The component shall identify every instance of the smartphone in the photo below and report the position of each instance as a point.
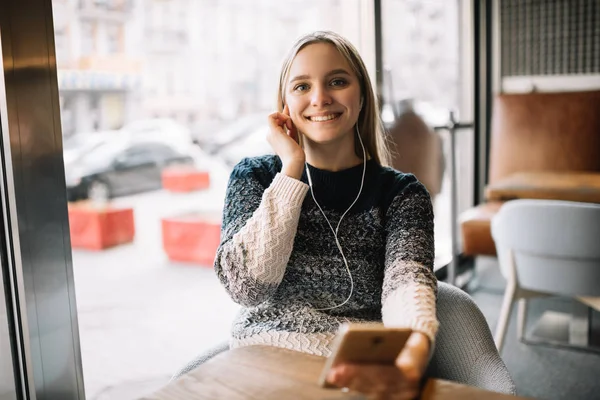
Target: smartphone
(365, 344)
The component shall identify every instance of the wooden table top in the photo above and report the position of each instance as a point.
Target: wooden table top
(270, 373)
(569, 186)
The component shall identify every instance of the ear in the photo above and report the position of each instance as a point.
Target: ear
(362, 99)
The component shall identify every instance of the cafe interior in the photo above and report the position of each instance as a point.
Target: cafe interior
(519, 288)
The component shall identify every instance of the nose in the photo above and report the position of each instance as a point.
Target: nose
(321, 96)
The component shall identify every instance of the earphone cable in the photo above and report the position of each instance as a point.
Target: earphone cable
(335, 232)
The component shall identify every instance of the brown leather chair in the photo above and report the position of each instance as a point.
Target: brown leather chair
(534, 132)
(417, 149)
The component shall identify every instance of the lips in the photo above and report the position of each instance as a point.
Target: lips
(323, 117)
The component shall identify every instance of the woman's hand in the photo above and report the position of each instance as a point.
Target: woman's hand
(285, 144)
(387, 382)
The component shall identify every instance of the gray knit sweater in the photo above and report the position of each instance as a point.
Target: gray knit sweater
(278, 257)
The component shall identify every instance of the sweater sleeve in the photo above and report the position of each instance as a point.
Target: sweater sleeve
(409, 285)
(257, 235)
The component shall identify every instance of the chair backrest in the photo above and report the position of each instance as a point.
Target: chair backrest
(545, 132)
(417, 149)
(555, 245)
(465, 351)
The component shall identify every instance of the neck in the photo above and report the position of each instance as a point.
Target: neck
(331, 156)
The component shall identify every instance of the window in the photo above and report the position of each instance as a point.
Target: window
(198, 83)
(141, 154)
(114, 36)
(88, 38)
(421, 52)
(161, 153)
(61, 42)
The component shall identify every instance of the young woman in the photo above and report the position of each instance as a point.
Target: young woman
(358, 248)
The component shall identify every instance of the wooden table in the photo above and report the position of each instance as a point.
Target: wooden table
(570, 186)
(270, 373)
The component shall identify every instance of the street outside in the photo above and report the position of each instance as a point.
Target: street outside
(142, 317)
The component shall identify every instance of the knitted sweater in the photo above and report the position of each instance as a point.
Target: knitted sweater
(278, 257)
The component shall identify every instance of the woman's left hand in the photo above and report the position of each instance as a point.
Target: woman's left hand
(401, 381)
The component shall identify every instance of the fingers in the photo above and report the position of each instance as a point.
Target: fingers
(412, 360)
(377, 381)
(286, 110)
(288, 120)
(278, 120)
(292, 131)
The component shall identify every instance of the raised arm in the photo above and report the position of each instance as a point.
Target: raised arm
(257, 235)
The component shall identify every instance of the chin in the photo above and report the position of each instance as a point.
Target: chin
(323, 138)
(325, 135)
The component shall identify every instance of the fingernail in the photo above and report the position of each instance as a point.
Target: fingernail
(332, 376)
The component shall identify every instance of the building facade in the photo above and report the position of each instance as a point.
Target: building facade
(98, 67)
(216, 60)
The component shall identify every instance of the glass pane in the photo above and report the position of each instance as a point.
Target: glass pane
(422, 83)
(199, 76)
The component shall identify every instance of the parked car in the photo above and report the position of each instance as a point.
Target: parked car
(233, 132)
(163, 130)
(251, 144)
(121, 167)
(80, 144)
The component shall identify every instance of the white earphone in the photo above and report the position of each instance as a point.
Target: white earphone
(335, 231)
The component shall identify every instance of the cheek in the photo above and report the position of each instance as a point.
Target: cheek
(296, 111)
(353, 102)
(296, 118)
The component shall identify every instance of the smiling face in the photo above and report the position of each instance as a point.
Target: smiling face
(323, 94)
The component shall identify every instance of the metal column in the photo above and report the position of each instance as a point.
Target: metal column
(34, 206)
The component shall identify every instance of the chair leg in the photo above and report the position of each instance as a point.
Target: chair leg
(507, 302)
(521, 319)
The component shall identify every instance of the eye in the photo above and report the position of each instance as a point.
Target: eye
(300, 87)
(340, 82)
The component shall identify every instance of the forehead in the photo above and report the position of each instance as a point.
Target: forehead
(317, 59)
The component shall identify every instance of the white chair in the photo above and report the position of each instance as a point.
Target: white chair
(548, 247)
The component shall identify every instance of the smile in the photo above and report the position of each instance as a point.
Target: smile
(324, 118)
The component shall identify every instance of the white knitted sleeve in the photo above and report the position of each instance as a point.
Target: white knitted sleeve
(252, 260)
(409, 286)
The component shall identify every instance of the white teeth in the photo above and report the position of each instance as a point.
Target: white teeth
(323, 118)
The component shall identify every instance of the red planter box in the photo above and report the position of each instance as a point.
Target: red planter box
(100, 228)
(192, 238)
(184, 179)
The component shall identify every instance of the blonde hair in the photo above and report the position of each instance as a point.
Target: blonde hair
(369, 123)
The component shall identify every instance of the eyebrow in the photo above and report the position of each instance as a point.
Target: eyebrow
(333, 72)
